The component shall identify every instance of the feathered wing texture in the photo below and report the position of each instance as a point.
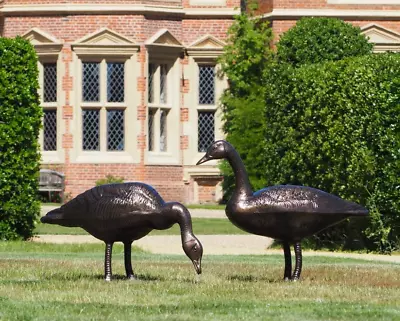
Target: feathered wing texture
(112, 202)
(290, 198)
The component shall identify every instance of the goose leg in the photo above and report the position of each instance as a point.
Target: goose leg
(107, 262)
(128, 262)
(299, 261)
(288, 261)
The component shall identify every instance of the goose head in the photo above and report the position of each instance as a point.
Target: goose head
(194, 251)
(218, 150)
(190, 244)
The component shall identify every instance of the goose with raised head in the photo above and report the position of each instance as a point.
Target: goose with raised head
(284, 212)
(126, 212)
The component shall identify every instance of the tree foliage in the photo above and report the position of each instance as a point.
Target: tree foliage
(242, 104)
(314, 40)
(20, 114)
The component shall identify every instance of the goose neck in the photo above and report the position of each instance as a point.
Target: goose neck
(242, 183)
(183, 218)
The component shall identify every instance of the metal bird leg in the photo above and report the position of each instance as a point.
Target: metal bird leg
(128, 261)
(288, 261)
(107, 262)
(299, 259)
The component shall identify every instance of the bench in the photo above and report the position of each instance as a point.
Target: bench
(52, 181)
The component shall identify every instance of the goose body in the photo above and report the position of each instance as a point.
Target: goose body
(126, 212)
(285, 212)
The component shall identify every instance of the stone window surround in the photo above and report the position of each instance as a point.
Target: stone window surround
(165, 53)
(195, 61)
(48, 50)
(156, 105)
(87, 50)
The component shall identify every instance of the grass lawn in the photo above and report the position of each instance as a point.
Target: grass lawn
(64, 282)
(201, 226)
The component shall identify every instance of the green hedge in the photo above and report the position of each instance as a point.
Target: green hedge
(318, 39)
(19, 157)
(336, 126)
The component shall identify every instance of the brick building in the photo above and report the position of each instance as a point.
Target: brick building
(130, 87)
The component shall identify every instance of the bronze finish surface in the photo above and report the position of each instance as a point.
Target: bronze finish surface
(124, 213)
(284, 212)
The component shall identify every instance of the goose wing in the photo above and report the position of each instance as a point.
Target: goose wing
(113, 202)
(290, 198)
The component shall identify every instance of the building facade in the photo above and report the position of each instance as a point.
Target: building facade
(378, 19)
(130, 88)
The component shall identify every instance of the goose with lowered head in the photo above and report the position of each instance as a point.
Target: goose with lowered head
(285, 212)
(126, 212)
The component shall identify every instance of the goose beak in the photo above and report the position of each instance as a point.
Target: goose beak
(197, 265)
(204, 159)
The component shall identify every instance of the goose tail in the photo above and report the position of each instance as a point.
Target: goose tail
(357, 210)
(53, 217)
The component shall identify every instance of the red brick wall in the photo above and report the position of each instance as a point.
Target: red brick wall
(323, 4)
(206, 189)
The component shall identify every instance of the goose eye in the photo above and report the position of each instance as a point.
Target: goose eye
(195, 248)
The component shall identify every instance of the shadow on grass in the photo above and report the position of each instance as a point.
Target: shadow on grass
(122, 277)
(252, 278)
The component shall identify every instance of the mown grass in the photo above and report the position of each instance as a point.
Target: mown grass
(64, 282)
(201, 226)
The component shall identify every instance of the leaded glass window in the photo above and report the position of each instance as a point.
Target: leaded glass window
(91, 129)
(50, 130)
(49, 82)
(163, 83)
(91, 82)
(115, 82)
(152, 113)
(158, 97)
(206, 85)
(115, 130)
(206, 130)
(152, 70)
(163, 130)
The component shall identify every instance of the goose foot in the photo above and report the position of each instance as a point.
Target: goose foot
(132, 277)
(107, 262)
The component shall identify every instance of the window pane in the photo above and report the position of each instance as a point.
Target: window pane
(49, 82)
(50, 130)
(163, 130)
(115, 130)
(163, 83)
(152, 113)
(91, 129)
(205, 130)
(115, 82)
(206, 85)
(152, 70)
(91, 81)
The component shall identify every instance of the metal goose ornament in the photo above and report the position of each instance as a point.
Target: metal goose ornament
(284, 212)
(124, 213)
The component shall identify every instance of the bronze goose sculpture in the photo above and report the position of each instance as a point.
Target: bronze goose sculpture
(284, 212)
(124, 213)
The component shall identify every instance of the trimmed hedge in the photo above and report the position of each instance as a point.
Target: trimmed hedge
(21, 115)
(314, 40)
(336, 126)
